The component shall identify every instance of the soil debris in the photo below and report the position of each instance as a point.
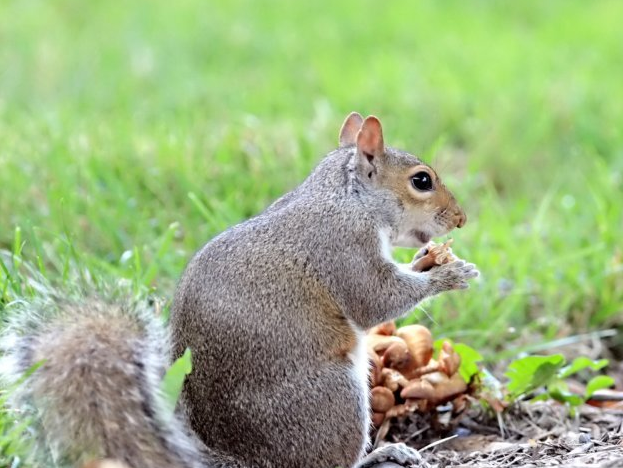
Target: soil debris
(541, 434)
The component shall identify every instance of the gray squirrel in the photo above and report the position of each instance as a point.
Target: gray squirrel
(274, 311)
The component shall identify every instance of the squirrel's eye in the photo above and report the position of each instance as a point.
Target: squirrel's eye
(422, 181)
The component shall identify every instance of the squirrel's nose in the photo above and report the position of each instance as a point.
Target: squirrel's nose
(461, 219)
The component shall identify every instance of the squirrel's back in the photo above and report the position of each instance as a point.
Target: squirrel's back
(96, 387)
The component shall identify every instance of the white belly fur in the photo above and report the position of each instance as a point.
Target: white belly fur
(360, 371)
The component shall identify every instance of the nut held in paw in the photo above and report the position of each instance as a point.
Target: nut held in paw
(438, 254)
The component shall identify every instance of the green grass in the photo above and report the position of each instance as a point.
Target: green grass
(129, 135)
(136, 133)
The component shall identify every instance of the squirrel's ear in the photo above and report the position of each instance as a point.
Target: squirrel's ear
(370, 139)
(350, 127)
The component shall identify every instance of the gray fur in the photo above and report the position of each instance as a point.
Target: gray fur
(270, 309)
(95, 394)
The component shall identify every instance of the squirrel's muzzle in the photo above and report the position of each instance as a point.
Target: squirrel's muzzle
(461, 218)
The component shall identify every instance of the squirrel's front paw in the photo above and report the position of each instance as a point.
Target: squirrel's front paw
(453, 275)
(393, 455)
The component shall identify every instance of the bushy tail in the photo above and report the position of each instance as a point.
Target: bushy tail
(95, 394)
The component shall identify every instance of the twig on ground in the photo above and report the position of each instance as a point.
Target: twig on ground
(437, 442)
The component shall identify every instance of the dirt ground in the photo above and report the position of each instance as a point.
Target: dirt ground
(527, 435)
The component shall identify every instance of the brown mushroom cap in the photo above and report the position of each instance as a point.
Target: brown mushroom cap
(418, 390)
(379, 343)
(454, 386)
(432, 366)
(419, 341)
(436, 378)
(382, 399)
(398, 357)
(385, 328)
(449, 359)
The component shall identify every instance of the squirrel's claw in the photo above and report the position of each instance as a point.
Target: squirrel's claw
(453, 275)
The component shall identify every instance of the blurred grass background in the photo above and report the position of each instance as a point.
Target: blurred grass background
(131, 133)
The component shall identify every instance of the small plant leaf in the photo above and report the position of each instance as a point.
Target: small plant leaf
(529, 373)
(582, 363)
(559, 391)
(570, 398)
(597, 383)
(171, 385)
(469, 359)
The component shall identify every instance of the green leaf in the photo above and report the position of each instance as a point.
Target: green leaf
(171, 385)
(469, 359)
(529, 373)
(597, 383)
(570, 398)
(559, 391)
(581, 363)
(541, 397)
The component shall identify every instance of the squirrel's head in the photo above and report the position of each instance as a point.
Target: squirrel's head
(425, 207)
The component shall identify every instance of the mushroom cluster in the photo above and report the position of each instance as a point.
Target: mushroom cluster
(405, 377)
